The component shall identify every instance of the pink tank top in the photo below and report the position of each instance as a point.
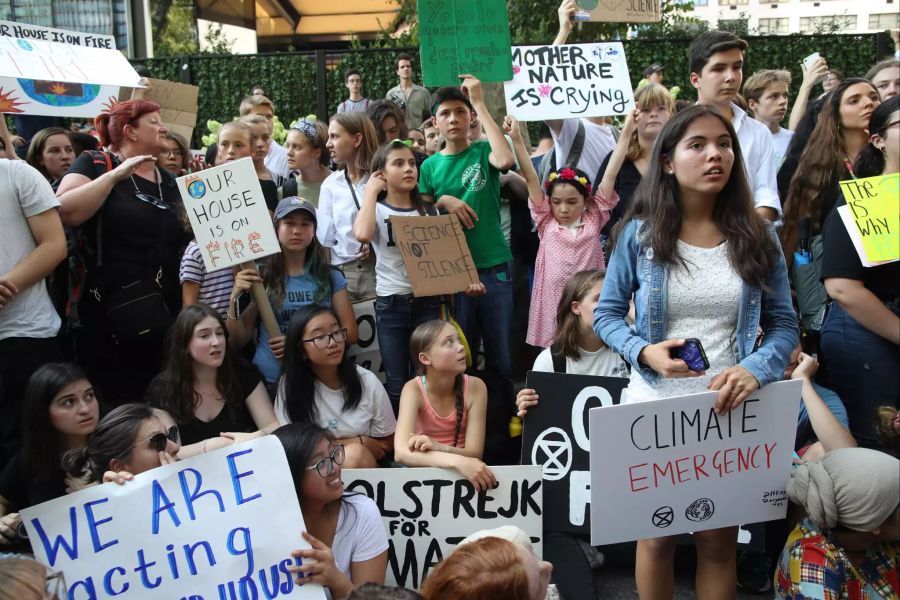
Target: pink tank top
(439, 428)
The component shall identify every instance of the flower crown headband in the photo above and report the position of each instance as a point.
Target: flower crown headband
(565, 175)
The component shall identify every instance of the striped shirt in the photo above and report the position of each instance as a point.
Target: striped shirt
(215, 287)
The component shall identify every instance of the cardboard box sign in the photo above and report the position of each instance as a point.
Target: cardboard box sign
(435, 254)
(555, 437)
(622, 11)
(177, 104)
(672, 466)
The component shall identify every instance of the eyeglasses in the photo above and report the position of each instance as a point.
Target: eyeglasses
(56, 586)
(323, 341)
(149, 198)
(159, 440)
(174, 153)
(325, 466)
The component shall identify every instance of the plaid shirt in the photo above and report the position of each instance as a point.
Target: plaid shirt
(811, 567)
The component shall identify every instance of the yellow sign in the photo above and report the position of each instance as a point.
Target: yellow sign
(873, 218)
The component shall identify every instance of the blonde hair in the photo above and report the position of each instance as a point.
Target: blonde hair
(235, 125)
(254, 120)
(250, 102)
(23, 579)
(756, 84)
(354, 123)
(648, 97)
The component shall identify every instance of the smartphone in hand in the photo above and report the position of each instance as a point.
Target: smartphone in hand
(692, 353)
(810, 60)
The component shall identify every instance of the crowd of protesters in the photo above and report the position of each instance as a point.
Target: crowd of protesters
(120, 352)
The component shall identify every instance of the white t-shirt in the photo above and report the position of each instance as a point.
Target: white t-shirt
(360, 534)
(758, 151)
(782, 140)
(373, 416)
(276, 161)
(390, 271)
(336, 214)
(603, 362)
(24, 193)
(598, 142)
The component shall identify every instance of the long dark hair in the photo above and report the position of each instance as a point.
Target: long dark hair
(113, 438)
(379, 161)
(297, 376)
(300, 439)
(657, 201)
(41, 446)
(820, 166)
(420, 341)
(870, 160)
(176, 393)
(315, 263)
(568, 323)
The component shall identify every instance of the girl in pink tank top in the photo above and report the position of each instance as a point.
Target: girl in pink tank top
(441, 421)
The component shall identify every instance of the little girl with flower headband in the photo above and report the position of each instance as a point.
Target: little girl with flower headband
(569, 218)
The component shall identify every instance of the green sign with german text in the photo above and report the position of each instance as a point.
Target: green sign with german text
(464, 37)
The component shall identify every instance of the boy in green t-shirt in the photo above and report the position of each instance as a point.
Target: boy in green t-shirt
(464, 179)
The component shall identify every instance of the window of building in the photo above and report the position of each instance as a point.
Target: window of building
(884, 21)
(828, 24)
(732, 2)
(778, 26)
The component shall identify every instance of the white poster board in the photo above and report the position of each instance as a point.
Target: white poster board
(57, 97)
(228, 214)
(366, 352)
(219, 525)
(568, 81)
(427, 512)
(673, 466)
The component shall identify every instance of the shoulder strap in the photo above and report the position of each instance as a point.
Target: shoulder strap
(559, 359)
(577, 147)
(352, 189)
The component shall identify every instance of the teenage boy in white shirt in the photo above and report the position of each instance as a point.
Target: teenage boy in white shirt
(717, 61)
(766, 93)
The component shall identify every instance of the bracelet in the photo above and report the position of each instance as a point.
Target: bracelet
(203, 447)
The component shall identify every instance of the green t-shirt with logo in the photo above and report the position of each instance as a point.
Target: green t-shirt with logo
(471, 177)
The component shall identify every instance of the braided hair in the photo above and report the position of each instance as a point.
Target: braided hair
(424, 336)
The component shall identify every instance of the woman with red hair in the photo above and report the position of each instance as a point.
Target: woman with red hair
(128, 209)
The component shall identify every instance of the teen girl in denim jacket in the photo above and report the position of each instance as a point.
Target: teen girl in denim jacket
(700, 264)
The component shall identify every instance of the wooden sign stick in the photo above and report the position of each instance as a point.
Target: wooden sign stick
(262, 304)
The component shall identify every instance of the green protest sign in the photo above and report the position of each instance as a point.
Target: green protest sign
(461, 36)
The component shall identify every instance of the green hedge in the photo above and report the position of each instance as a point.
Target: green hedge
(290, 78)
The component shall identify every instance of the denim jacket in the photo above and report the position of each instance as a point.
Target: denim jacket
(632, 270)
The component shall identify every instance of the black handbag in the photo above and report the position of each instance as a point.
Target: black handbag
(136, 311)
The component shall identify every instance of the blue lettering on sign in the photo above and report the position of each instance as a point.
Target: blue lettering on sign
(236, 477)
(190, 497)
(93, 524)
(160, 495)
(52, 548)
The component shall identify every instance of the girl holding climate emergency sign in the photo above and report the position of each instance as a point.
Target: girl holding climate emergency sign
(297, 276)
(699, 263)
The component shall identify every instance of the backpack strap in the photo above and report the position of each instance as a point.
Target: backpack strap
(548, 162)
(559, 359)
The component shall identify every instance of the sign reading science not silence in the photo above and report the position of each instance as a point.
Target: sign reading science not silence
(567, 81)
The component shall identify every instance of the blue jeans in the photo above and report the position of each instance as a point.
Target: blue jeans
(490, 315)
(395, 319)
(862, 369)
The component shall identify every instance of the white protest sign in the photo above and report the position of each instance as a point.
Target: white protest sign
(673, 466)
(219, 525)
(50, 61)
(427, 512)
(366, 352)
(563, 82)
(57, 98)
(228, 214)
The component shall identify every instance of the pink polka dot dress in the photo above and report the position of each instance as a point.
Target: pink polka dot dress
(563, 252)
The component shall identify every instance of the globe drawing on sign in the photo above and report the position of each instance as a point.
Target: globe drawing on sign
(553, 451)
(59, 93)
(195, 187)
(24, 45)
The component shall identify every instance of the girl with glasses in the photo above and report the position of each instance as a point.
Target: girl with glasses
(349, 543)
(443, 410)
(298, 276)
(175, 156)
(60, 412)
(861, 332)
(320, 385)
(129, 440)
(127, 208)
(207, 389)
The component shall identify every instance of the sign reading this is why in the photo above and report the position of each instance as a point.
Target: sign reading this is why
(872, 217)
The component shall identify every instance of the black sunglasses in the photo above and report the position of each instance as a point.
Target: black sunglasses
(159, 440)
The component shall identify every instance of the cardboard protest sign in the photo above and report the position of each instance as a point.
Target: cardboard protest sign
(219, 525)
(555, 437)
(563, 82)
(622, 11)
(427, 512)
(177, 104)
(228, 214)
(463, 37)
(57, 97)
(872, 217)
(366, 352)
(674, 466)
(435, 254)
